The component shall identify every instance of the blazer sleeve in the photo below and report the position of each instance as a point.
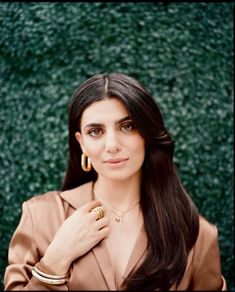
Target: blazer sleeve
(207, 266)
(22, 256)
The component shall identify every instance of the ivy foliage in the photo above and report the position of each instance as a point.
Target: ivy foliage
(182, 52)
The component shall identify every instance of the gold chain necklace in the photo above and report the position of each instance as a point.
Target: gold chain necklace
(119, 214)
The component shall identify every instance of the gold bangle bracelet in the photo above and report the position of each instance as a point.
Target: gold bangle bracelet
(48, 280)
(56, 277)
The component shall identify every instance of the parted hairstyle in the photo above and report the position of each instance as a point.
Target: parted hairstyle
(171, 219)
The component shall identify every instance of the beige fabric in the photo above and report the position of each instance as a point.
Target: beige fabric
(41, 217)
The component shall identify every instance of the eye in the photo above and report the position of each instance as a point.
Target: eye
(127, 127)
(95, 132)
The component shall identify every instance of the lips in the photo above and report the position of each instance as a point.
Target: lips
(115, 160)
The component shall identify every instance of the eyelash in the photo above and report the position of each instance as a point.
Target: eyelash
(130, 124)
(92, 131)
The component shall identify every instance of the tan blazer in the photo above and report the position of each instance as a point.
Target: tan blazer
(42, 216)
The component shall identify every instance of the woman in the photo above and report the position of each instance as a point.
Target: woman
(122, 220)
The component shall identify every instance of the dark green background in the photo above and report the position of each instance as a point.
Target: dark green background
(182, 52)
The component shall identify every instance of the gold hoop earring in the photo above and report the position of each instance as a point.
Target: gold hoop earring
(86, 165)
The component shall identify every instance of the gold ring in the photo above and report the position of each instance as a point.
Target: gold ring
(100, 211)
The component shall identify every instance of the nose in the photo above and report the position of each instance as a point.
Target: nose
(112, 144)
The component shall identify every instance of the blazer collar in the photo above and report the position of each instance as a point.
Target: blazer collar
(77, 197)
(102, 256)
(138, 252)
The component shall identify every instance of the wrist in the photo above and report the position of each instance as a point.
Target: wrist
(42, 273)
(54, 264)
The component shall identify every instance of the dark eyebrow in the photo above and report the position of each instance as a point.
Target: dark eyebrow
(127, 118)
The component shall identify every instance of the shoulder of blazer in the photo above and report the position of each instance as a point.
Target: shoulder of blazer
(44, 201)
(207, 239)
(207, 230)
(55, 199)
(44, 209)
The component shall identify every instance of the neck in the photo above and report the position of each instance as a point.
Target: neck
(120, 195)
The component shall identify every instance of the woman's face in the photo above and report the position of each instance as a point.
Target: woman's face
(109, 138)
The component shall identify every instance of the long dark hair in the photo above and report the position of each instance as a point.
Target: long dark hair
(171, 219)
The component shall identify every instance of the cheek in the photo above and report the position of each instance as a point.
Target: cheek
(93, 149)
(137, 148)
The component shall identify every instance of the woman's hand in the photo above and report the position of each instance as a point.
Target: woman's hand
(76, 236)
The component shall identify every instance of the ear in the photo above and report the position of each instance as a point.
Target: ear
(78, 137)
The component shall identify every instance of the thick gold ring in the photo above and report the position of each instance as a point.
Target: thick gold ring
(100, 212)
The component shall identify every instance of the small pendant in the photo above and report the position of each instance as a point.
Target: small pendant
(117, 218)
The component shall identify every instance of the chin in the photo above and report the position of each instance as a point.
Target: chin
(120, 175)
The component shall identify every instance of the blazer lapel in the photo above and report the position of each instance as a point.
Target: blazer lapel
(138, 252)
(78, 196)
(102, 256)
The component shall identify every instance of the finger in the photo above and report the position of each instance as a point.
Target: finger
(104, 232)
(90, 205)
(99, 212)
(101, 223)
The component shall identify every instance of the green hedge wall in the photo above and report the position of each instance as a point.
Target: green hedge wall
(182, 52)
